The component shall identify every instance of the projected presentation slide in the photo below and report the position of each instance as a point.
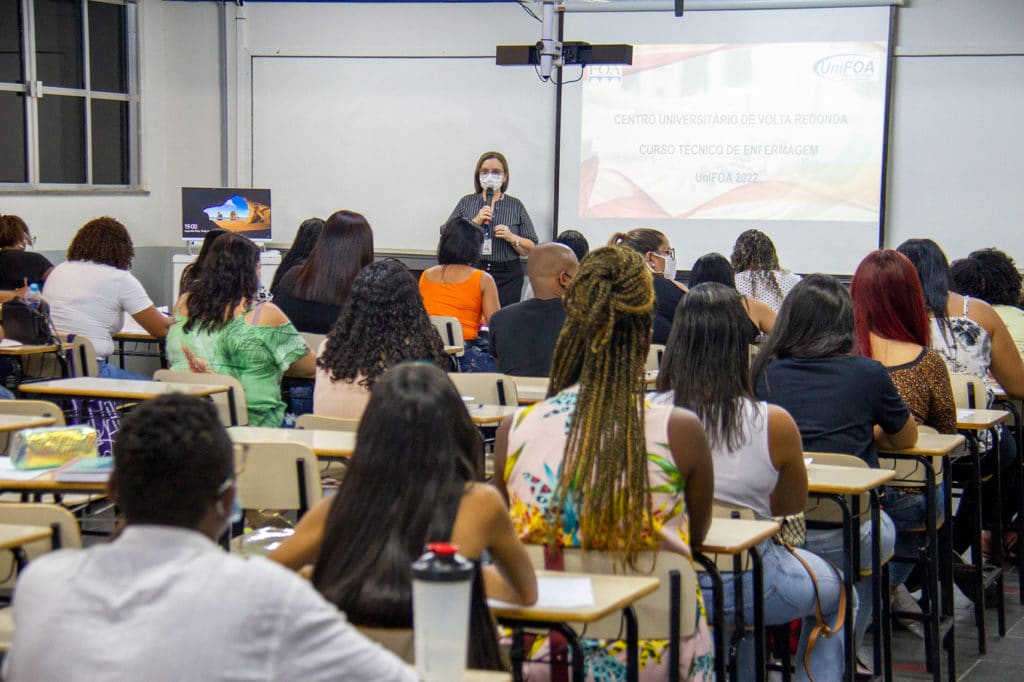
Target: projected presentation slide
(756, 131)
(242, 210)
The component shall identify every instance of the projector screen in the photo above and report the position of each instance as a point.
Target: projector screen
(743, 127)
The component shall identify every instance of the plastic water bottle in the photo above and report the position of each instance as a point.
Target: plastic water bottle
(441, 587)
(33, 299)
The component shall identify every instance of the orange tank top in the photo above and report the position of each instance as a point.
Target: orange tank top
(462, 301)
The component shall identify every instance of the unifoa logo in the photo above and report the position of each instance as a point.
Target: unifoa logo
(838, 67)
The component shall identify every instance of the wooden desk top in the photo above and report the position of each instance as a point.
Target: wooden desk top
(26, 349)
(119, 389)
(531, 389)
(611, 593)
(486, 676)
(131, 335)
(930, 445)
(489, 415)
(453, 350)
(980, 419)
(322, 442)
(732, 536)
(825, 478)
(45, 483)
(16, 422)
(14, 536)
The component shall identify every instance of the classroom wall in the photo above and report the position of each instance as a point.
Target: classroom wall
(955, 139)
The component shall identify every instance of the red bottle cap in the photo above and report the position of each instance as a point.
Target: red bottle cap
(443, 548)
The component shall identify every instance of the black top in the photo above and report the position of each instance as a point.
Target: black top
(508, 211)
(666, 297)
(835, 401)
(16, 266)
(307, 316)
(523, 336)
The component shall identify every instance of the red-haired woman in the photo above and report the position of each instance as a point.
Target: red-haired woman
(892, 327)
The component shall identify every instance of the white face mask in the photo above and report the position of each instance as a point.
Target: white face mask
(670, 266)
(491, 180)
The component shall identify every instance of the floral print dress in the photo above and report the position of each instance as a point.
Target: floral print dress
(536, 442)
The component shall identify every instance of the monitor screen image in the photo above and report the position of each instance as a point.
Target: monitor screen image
(242, 210)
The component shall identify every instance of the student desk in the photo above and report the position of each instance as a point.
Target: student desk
(17, 422)
(535, 389)
(325, 444)
(490, 415)
(986, 420)
(1014, 407)
(931, 445)
(125, 336)
(17, 353)
(42, 482)
(733, 537)
(611, 593)
(15, 537)
(837, 483)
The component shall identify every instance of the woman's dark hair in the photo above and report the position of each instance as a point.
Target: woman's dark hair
(999, 282)
(933, 273)
(383, 324)
(191, 271)
(105, 241)
(712, 267)
(460, 243)
(575, 241)
(300, 249)
(642, 240)
(500, 158)
(754, 252)
(707, 360)
(13, 232)
(343, 248)
(815, 321)
(416, 449)
(229, 277)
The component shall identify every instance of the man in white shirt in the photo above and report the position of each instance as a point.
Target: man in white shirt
(163, 601)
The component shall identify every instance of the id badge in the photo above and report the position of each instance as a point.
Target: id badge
(485, 250)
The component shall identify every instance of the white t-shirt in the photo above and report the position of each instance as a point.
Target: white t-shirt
(89, 299)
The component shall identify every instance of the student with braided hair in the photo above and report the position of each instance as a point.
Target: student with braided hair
(595, 466)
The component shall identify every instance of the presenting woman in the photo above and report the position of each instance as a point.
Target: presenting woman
(508, 230)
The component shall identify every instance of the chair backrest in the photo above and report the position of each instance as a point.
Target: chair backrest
(399, 641)
(968, 392)
(314, 340)
(825, 510)
(314, 421)
(29, 408)
(68, 534)
(450, 330)
(282, 476)
(910, 473)
(652, 611)
(221, 400)
(727, 510)
(81, 355)
(487, 388)
(654, 354)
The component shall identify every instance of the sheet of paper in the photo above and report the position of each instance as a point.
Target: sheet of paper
(9, 343)
(8, 471)
(558, 593)
(963, 413)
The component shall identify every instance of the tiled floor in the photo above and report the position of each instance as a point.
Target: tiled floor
(1004, 660)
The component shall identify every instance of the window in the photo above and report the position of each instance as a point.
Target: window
(68, 94)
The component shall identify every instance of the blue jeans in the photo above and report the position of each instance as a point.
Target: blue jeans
(109, 370)
(829, 545)
(907, 511)
(788, 595)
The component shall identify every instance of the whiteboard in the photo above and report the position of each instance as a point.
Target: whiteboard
(396, 138)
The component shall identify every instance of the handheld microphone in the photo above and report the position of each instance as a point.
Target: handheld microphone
(490, 202)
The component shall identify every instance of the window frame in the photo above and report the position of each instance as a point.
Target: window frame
(34, 90)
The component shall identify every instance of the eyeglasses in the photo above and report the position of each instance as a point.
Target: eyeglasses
(670, 253)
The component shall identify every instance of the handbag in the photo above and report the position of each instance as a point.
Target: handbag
(792, 530)
(24, 323)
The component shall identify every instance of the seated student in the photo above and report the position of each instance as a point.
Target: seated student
(523, 335)
(91, 291)
(758, 273)
(455, 287)
(191, 271)
(163, 601)
(660, 258)
(758, 463)
(298, 252)
(595, 467)
(219, 327)
(575, 241)
(714, 267)
(992, 276)
(383, 324)
(416, 477)
(841, 402)
(20, 267)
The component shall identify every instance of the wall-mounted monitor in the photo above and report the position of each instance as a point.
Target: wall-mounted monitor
(238, 209)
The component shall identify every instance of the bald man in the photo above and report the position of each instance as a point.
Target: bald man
(523, 335)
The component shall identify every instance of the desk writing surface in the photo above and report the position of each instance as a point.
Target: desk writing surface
(13, 535)
(43, 481)
(611, 593)
(320, 441)
(531, 389)
(490, 415)
(122, 389)
(26, 349)
(979, 419)
(486, 676)
(133, 335)
(929, 445)
(732, 536)
(840, 480)
(16, 422)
